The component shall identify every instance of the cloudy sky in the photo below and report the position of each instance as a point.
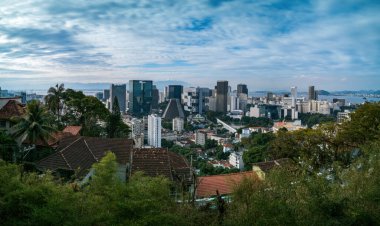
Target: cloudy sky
(268, 44)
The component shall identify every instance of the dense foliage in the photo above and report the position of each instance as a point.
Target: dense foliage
(310, 119)
(333, 179)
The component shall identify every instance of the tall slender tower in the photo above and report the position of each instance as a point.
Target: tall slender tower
(154, 131)
(293, 91)
(221, 96)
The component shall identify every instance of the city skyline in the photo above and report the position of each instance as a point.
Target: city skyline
(268, 45)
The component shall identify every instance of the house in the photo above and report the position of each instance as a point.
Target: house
(224, 184)
(227, 147)
(221, 163)
(261, 168)
(77, 154)
(12, 108)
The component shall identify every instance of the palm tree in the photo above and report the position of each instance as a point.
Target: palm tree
(34, 125)
(54, 97)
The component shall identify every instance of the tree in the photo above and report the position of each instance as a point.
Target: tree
(34, 125)
(115, 127)
(8, 147)
(364, 125)
(54, 98)
(85, 111)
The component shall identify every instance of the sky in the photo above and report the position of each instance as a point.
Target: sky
(268, 45)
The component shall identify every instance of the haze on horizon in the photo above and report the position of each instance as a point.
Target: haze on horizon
(266, 44)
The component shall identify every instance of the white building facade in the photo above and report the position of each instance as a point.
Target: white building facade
(154, 131)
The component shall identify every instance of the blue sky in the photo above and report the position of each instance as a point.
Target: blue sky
(269, 45)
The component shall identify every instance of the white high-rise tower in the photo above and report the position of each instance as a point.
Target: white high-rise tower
(154, 131)
(293, 91)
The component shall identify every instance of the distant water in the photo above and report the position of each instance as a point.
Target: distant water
(349, 98)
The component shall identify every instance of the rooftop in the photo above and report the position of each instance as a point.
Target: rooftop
(225, 183)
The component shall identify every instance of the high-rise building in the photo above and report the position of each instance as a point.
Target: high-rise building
(194, 99)
(221, 96)
(178, 124)
(140, 97)
(293, 91)
(155, 97)
(242, 88)
(154, 131)
(313, 95)
(106, 94)
(175, 92)
(99, 96)
(120, 92)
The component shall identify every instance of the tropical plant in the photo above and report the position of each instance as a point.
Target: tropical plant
(34, 125)
(54, 98)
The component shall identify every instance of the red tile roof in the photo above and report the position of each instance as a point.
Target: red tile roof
(11, 109)
(74, 130)
(225, 183)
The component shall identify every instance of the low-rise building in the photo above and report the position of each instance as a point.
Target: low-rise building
(236, 159)
(200, 137)
(178, 124)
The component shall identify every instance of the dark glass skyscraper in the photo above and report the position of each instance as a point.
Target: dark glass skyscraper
(242, 88)
(313, 95)
(140, 97)
(221, 96)
(175, 92)
(120, 92)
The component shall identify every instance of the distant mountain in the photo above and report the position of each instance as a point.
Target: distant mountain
(323, 92)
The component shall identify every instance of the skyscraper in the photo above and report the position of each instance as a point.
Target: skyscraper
(155, 97)
(140, 97)
(154, 131)
(120, 92)
(242, 88)
(221, 96)
(293, 91)
(106, 94)
(312, 93)
(175, 92)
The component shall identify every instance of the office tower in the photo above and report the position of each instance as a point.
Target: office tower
(178, 124)
(234, 103)
(194, 99)
(119, 91)
(242, 88)
(155, 97)
(173, 110)
(106, 94)
(154, 131)
(175, 92)
(140, 97)
(312, 93)
(293, 91)
(270, 96)
(221, 96)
